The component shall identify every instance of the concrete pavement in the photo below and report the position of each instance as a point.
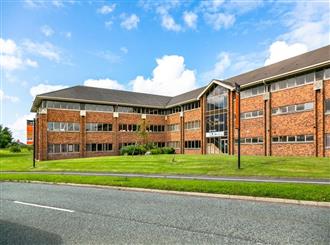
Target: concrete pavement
(35, 213)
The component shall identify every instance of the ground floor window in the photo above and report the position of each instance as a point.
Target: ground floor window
(174, 144)
(254, 140)
(125, 144)
(192, 144)
(293, 139)
(63, 148)
(327, 140)
(99, 147)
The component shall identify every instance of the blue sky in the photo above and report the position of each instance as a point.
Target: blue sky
(165, 47)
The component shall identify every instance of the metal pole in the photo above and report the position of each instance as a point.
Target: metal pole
(238, 123)
(34, 142)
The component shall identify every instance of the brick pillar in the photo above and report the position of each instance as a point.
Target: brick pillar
(203, 125)
(36, 137)
(182, 130)
(115, 129)
(319, 122)
(42, 137)
(83, 119)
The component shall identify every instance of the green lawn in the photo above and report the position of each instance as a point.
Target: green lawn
(216, 165)
(289, 191)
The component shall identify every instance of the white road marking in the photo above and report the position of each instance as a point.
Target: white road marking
(42, 206)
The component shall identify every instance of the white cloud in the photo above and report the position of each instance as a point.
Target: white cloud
(46, 50)
(169, 23)
(124, 50)
(280, 50)
(109, 56)
(108, 24)
(130, 22)
(58, 3)
(104, 83)
(31, 63)
(219, 20)
(11, 56)
(4, 97)
(44, 88)
(211, 5)
(7, 46)
(67, 34)
(106, 9)
(217, 72)
(170, 77)
(190, 18)
(47, 30)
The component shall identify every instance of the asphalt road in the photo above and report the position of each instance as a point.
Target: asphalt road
(56, 214)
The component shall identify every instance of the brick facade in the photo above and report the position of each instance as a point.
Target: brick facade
(312, 122)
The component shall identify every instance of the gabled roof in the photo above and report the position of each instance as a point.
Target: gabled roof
(307, 61)
(312, 59)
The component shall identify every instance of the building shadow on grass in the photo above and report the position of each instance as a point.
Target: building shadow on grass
(14, 234)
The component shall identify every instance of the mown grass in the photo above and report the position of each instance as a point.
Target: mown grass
(212, 165)
(275, 190)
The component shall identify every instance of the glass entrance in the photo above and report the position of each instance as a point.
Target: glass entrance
(217, 145)
(216, 120)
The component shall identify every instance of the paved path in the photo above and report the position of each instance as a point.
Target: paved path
(52, 214)
(190, 177)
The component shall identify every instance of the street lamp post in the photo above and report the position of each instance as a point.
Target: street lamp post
(238, 123)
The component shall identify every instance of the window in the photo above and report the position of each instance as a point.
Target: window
(63, 148)
(192, 125)
(327, 73)
(293, 139)
(327, 140)
(293, 108)
(327, 106)
(295, 81)
(63, 127)
(99, 147)
(192, 144)
(251, 114)
(62, 105)
(96, 107)
(191, 106)
(253, 92)
(125, 144)
(128, 127)
(155, 128)
(254, 140)
(102, 127)
(174, 144)
(173, 127)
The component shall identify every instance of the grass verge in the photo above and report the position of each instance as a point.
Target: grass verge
(311, 192)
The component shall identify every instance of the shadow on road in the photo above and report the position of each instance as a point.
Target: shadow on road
(12, 233)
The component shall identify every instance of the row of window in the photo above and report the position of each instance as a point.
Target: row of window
(301, 80)
(288, 83)
(63, 127)
(99, 147)
(102, 127)
(192, 125)
(251, 114)
(63, 148)
(191, 106)
(174, 144)
(192, 144)
(129, 127)
(254, 140)
(155, 128)
(293, 139)
(174, 110)
(293, 108)
(173, 127)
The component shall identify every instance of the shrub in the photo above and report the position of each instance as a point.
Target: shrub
(156, 151)
(133, 150)
(168, 150)
(15, 148)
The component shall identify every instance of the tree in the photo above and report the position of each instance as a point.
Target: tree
(6, 137)
(142, 131)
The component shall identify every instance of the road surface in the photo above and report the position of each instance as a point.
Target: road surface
(58, 214)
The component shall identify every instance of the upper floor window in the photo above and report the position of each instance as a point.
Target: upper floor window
(173, 127)
(95, 107)
(254, 140)
(293, 139)
(174, 110)
(63, 127)
(125, 109)
(155, 128)
(251, 114)
(61, 105)
(327, 106)
(217, 98)
(327, 73)
(294, 81)
(191, 106)
(253, 91)
(94, 127)
(129, 127)
(293, 108)
(192, 125)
